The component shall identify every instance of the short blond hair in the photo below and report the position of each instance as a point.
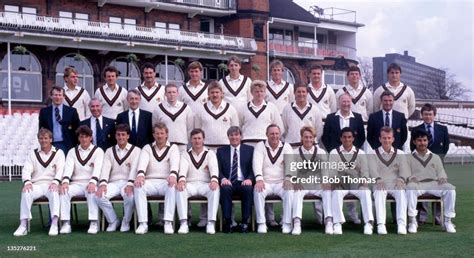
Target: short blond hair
(194, 65)
(310, 129)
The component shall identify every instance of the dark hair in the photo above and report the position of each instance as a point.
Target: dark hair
(418, 133)
(198, 131)
(55, 88)
(84, 130)
(272, 125)
(386, 93)
(123, 128)
(428, 107)
(111, 69)
(148, 66)
(353, 69)
(394, 66)
(300, 86)
(347, 129)
(234, 129)
(315, 67)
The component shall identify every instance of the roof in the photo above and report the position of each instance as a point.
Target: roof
(287, 9)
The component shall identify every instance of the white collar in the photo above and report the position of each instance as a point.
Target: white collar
(88, 149)
(50, 151)
(273, 83)
(195, 154)
(280, 144)
(66, 88)
(293, 104)
(166, 145)
(428, 152)
(351, 115)
(127, 147)
(145, 87)
(382, 151)
(201, 84)
(240, 78)
(342, 150)
(264, 103)
(221, 106)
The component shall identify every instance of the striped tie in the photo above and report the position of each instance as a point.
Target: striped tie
(57, 115)
(233, 170)
(430, 135)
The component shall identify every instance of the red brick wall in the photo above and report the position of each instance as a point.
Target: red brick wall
(257, 5)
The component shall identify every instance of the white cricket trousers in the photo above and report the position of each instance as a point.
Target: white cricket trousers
(380, 198)
(446, 191)
(198, 189)
(365, 201)
(153, 187)
(273, 189)
(114, 189)
(298, 197)
(78, 190)
(39, 190)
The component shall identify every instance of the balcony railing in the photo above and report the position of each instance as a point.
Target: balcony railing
(310, 50)
(85, 28)
(218, 4)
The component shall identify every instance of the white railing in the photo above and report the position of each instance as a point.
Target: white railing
(78, 27)
(308, 49)
(219, 4)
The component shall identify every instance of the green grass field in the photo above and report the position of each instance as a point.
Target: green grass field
(430, 241)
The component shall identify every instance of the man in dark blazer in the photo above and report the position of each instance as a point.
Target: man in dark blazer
(438, 143)
(236, 177)
(387, 117)
(103, 128)
(61, 120)
(344, 117)
(437, 134)
(138, 119)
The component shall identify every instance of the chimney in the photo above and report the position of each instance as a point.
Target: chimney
(405, 53)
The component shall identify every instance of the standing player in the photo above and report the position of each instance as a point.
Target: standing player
(321, 95)
(111, 95)
(280, 91)
(75, 96)
(176, 115)
(194, 92)
(236, 86)
(151, 91)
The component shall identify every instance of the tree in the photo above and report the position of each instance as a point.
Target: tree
(366, 69)
(448, 89)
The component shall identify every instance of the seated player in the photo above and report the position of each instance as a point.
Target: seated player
(198, 176)
(390, 168)
(41, 176)
(120, 161)
(348, 153)
(80, 178)
(428, 176)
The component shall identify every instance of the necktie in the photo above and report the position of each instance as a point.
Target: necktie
(134, 129)
(233, 170)
(57, 115)
(387, 119)
(98, 131)
(430, 135)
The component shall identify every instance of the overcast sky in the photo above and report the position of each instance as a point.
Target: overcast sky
(437, 33)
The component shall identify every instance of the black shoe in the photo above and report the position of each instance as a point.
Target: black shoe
(244, 228)
(227, 227)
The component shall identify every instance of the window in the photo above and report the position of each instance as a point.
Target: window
(129, 74)
(288, 76)
(65, 17)
(207, 25)
(175, 74)
(84, 70)
(173, 26)
(336, 79)
(26, 78)
(81, 18)
(129, 24)
(115, 23)
(12, 8)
